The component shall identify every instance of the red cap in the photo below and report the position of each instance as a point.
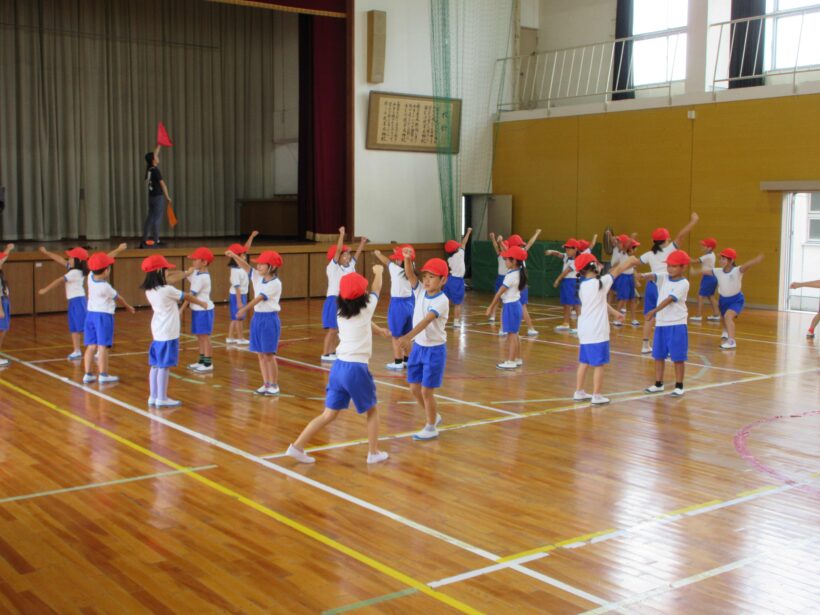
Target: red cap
(709, 242)
(583, 260)
(155, 262)
(79, 253)
(516, 252)
(633, 244)
(571, 243)
(624, 239)
(436, 266)
(729, 253)
(269, 257)
(451, 246)
(678, 257)
(398, 253)
(661, 234)
(583, 244)
(99, 260)
(331, 252)
(237, 248)
(203, 254)
(515, 240)
(352, 286)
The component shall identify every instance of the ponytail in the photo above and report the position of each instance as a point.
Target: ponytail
(522, 276)
(657, 245)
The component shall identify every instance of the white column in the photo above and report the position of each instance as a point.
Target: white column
(698, 26)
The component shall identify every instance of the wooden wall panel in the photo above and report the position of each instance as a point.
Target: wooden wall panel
(46, 272)
(294, 276)
(20, 278)
(318, 278)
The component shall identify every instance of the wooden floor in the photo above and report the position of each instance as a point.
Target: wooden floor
(527, 503)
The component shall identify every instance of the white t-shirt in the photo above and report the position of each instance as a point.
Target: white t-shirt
(502, 266)
(356, 335)
(657, 262)
(74, 279)
(593, 323)
(240, 280)
(101, 296)
(335, 273)
(618, 256)
(570, 263)
(512, 282)
(164, 301)
(675, 313)
(200, 282)
(708, 260)
(399, 284)
(728, 283)
(434, 333)
(456, 262)
(270, 292)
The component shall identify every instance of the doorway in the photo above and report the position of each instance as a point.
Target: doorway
(800, 253)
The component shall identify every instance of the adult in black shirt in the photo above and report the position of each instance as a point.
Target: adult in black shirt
(157, 196)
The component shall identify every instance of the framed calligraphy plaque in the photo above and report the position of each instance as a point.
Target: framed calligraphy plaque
(410, 123)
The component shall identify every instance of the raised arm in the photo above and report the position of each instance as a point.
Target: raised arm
(55, 257)
(51, 286)
(362, 242)
(340, 243)
(382, 258)
(685, 230)
(241, 262)
(532, 239)
(9, 248)
(466, 239)
(593, 242)
(249, 242)
(629, 261)
(555, 253)
(495, 242)
(757, 259)
(118, 249)
(376, 284)
(408, 268)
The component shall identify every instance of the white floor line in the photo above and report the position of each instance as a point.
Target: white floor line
(482, 571)
(560, 585)
(708, 574)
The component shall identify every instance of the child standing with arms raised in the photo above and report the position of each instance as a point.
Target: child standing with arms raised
(425, 367)
(239, 291)
(454, 288)
(400, 309)
(565, 282)
(339, 264)
(349, 376)
(510, 296)
(708, 283)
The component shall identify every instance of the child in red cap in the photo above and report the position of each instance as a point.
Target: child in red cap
(76, 265)
(400, 309)
(566, 282)
(339, 263)
(816, 319)
(238, 297)
(202, 314)
(165, 328)
(623, 284)
(99, 320)
(265, 326)
(425, 367)
(350, 377)
(731, 300)
(708, 283)
(671, 333)
(5, 304)
(454, 288)
(510, 296)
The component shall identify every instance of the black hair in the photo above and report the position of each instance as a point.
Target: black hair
(522, 275)
(348, 308)
(589, 268)
(149, 162)
(657, 245)
(99, 271)
(232, 263)
(80, 265)
(4, 287)
(153, 279)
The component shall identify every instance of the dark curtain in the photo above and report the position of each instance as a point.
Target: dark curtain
(748, 39)
(622, 58)
(322, 123)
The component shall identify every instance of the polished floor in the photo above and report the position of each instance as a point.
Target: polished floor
(526, 503)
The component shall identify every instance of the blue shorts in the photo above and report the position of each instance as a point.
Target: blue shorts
(400, 315)
(734, 303)
(650, 297)
(202, 322)
(454, 289)
(569, 291)
(511, 314)
(349, 380)
(525, 296)
(426, 365)
(708, 286)
(164, 354)
(594, 354)
(499, 281)
(265, 331)
(329, 313)
(233, 308)
(99, 329)
(624, 287)
(76, 314)
(5, 322)
(672, 342)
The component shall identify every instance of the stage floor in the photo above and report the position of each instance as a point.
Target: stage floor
(133, 243)
(526, 503)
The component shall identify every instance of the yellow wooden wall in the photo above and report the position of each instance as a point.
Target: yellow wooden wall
(637, 170)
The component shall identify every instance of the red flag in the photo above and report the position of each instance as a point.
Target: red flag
(162, 136)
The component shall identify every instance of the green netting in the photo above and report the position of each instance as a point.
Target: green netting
(541, 269)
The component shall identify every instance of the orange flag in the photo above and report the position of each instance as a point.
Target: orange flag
(172, 218)
(162, 136)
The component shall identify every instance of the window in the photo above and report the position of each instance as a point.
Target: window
(814, 218)
(662, 58)
(792, 40)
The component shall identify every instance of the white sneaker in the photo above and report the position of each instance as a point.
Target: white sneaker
(328, 357)
(395, 366)
(438, 420)
(89, 378)
(654, 389)
(456, 322)
(108, 378)
(492, 318)
(428, 433)
(713, 318)
(300, 456)
(501, 332)
(263, 390)
(230, 340)
(573, 315)
(532, 332)
(677, 392)
(519, 362)
(194, 366)
(598, 400)
(242, 342)
(729, 345)
(636, 323)
(623, 310)
(74, 356)
(646, 349)
(4, 362)
(617, 323)
(377, 458)
(272, 390)
(203, 369)
(562, 328)
(695, 318)
(573, 331)
(581, 396)
(167, 403)
(506, 365)
(724, 335)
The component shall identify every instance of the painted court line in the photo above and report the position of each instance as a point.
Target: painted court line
(287, 521)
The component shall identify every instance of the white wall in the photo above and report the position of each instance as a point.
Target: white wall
(569, 23)
(396, 193)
